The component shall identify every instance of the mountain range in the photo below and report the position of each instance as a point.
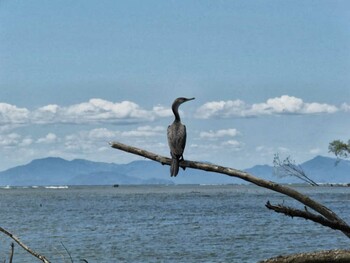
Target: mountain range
(58, 171)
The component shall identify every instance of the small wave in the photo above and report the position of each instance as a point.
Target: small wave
(5, 187)
(57, 187)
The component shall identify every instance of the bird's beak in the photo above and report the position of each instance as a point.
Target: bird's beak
(189, 99)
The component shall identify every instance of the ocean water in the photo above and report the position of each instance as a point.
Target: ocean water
(178, 223)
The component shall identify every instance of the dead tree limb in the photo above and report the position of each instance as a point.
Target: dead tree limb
(12, 251)
(24, 246)
(306, 214)
(288, 167)
(307, 201)
(329, 256)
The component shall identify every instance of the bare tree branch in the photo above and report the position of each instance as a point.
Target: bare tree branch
(24, 246)
(12, 251)
(292, 212)
(288, 167)
(307, 201)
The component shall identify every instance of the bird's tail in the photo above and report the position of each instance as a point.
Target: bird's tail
(174, 168)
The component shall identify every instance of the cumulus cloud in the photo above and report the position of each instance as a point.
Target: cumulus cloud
(222, 109)
(90, 112)
(14, 140)
(11, 114)
(219, 133)
(162, 111)
(279, 106)
(99, 111)
(49, 138)
(47, 114)
(290, 105)
(11, 139)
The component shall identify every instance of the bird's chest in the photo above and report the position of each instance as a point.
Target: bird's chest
(176, 130)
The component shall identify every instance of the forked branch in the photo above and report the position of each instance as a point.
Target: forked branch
(307, 201)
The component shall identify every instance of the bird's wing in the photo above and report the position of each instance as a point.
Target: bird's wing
(183, 142)
(170, 136)
(171, 141)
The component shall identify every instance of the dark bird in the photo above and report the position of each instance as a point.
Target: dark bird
(177, 137)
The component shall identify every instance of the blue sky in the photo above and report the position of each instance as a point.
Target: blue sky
(268, 77)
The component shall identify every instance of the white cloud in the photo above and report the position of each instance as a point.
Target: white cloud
(144, 131)
(279, 105)
(162, 111)
(345, 107)
(47, 114)
(102, 111)
(221, 109)
(14, 140)
(11, 139)
(26, 142)
(310, 108)
(101, 133)
(49, 138)
(291, 105)
(99, 111)
(219, 133)
(11, 114)
(91, 112)
(233, 144)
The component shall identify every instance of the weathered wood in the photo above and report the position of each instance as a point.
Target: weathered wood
(307, 201)
(327, 256)
(306, 214)
(24, 246)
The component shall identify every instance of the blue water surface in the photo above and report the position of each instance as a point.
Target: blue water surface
(177, 223)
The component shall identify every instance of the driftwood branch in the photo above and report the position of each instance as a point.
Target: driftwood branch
(307, 201)
(24, 246)
(329, 256)
(306, 214)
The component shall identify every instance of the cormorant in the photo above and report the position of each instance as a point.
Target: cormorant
(177, 137)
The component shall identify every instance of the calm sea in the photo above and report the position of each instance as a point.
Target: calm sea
(184, 223)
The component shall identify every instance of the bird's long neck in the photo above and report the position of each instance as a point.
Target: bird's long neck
(175, 109)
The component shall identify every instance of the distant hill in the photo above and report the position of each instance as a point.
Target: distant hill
(57, 171)
(324, 170)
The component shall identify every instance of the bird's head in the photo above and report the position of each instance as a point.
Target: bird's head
(177, 102)
(181, 100)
